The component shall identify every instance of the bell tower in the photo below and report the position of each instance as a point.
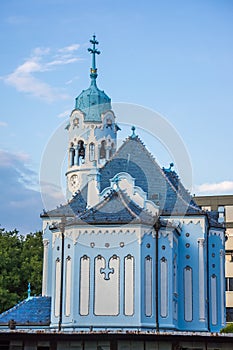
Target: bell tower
(92, 132)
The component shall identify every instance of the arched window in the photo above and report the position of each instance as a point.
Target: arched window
(81, 152)
(111, 151)
(72, 154)
(188, 294)
(103, 150)
(91, 152)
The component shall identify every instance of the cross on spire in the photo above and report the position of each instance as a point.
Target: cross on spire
(94, 52)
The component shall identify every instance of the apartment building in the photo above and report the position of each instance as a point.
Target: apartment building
(224, 205)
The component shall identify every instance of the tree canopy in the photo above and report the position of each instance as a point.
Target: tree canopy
(21, 259)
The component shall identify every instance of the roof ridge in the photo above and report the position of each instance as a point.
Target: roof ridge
(177, 190)
(126, 205)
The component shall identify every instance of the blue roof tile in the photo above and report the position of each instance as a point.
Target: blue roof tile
(35, 311)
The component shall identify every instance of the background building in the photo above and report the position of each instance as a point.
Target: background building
(224, 205)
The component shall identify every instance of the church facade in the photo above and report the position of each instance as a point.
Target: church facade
(130, 253)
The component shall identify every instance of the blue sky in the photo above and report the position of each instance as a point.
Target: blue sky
(174, 57)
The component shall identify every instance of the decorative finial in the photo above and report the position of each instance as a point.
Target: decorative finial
(133, 136)
(168, 170)
(29, 290)
(94, 52)
(171, 166)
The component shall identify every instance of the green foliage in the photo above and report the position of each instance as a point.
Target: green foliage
(227, 329)
(20, 263)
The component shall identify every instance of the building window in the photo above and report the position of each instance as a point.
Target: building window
(148, 286)
(103, 150)
(188, 294)
(229, 255)
(221, 214)
(129, 285)
(163, 287)
(72, 154)
(81, 152)
(57, 287)
(111, 151)
(68, 286)
(229, 284)
(91, 152)
(213, 291)
(84, 296)
(229, 314)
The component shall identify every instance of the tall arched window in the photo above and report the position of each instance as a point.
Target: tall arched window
(91, 152)
(188, 294)
(103, 150)
(111, 151)
(72, 154)
(81, 152)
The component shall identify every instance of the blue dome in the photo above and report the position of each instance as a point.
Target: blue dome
(93, 102)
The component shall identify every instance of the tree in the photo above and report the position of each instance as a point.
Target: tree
(32, 260)
(20, 262)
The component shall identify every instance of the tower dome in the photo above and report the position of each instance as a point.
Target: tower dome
(92, 101)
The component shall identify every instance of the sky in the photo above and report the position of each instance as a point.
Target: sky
(174, 57)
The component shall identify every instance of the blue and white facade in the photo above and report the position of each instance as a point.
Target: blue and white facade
(130, 250)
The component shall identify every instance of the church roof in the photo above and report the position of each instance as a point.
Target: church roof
(116, 208)
(93, 102)
(75, 206)
(161, 186)
(34, 311)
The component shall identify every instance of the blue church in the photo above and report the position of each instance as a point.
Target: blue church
(130, 261)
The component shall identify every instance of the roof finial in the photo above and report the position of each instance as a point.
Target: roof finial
(29, 290)
(168, 170)
(171, 166)
(94, 52)
(133, 136)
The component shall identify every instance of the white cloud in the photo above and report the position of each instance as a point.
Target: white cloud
(70, 48)
(224, 187)
(12, 159)
(3, 124)
(20, 197)
(25, 77)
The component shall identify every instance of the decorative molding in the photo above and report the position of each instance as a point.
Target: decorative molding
(167, 234)
(55, 235)
(45, 243)
(45, 266)
(107, 286)
(218, 233)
